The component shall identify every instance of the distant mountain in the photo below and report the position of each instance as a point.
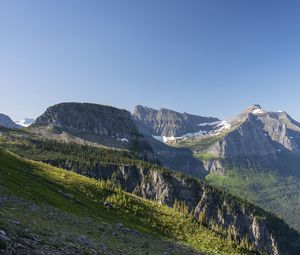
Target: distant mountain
(89, 118)
(7, 122)
(256, 155)
(25, 122)
(259, 132)
(166, 125)
(254, 132)
(90, 123)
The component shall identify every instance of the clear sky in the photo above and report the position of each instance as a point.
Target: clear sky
(211, 57)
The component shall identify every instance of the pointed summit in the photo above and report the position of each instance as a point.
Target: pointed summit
(257, 106)
(6, 121)
(252, 109)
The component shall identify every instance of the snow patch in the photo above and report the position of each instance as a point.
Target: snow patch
(220, 126)
(123, 140)
(168, 138)
(165, 139)
(209, 123)
(223, 126)
(200, 133)
(258, 111)
(25, 122)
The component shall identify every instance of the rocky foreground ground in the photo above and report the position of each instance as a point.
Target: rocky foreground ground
(31, 229)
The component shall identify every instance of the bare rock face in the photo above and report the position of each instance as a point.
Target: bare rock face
(89, 118)
(7, 122)
(164, 122)
(258, 132)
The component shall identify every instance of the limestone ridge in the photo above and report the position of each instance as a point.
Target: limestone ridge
(165, 122)
(92, 118)
(88, 123)
(257, 132)
(254, 132)
(7, 122)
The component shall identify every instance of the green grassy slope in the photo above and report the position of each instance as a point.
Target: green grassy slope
(268, 189)
(199, 144)
(58, 153)
(82, 198)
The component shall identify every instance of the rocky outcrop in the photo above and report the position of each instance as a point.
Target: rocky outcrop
(253, 133)
(168, 123)
(216, 209)
(20, 237)
(89, 118)
(257, 132)
(93, 124)
(7, 122)
(248, 139)
(214, 166)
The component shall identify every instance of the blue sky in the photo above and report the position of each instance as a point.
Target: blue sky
(204, 57)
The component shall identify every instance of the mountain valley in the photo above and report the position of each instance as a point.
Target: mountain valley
(149, 155)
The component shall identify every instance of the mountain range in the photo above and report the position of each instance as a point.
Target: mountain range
(255, 156)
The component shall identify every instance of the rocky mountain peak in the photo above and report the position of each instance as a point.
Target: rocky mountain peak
(169, 123)
(89, 122)
(254, 109)
(6, 121)
(141, 111)
(259, 132)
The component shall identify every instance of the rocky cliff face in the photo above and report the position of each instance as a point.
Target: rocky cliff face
(255, 132)
(255, 139)
(247, 139)
(216, 209)
(212, 207)
(161, 126)
(111, 127)
(83, 122)
(92, 118)
(6, 121)
(168, 123)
